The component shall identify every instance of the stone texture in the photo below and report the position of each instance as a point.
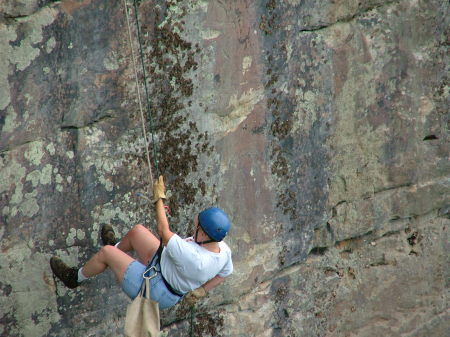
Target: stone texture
(321, 127)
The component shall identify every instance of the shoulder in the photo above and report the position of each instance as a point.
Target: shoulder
(224, 247)
(177, 238)
(174, 239)
(177, 242)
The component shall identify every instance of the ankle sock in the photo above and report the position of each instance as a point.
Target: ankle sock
(81, 276)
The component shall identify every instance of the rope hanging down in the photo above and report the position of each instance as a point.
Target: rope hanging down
(149, 107)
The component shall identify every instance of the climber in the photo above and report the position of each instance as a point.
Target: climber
(184, 267)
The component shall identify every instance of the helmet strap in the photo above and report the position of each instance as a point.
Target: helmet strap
(201, 242)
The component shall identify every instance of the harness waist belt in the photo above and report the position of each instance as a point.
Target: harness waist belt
(157, 257)
(170, 288)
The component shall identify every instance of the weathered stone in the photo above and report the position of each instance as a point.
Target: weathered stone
(321, 127)
(12, 9)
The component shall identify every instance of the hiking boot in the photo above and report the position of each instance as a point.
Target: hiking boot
(108, 236)
(68, 275)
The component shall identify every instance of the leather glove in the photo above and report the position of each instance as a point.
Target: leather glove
(193, 296)
(159, 189)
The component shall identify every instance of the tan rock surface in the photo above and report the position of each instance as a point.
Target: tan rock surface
(321, 127)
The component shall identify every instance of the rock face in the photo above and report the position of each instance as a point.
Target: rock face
(321, 127)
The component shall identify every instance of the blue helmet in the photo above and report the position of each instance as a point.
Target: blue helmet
(214, 222)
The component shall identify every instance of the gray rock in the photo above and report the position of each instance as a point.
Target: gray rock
(320, 127)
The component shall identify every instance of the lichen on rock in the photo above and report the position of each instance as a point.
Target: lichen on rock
(320, 127)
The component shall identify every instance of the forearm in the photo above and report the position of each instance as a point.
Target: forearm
(162, 224)
(214, 282)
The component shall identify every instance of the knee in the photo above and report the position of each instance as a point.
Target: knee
(138, 229)
(107, 250)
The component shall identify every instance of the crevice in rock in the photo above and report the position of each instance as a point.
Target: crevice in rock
(402, 223)
(8, 18)
(397, 218)
(76, 127)
(357, 237)
(430, 137)
(340, 203)
(318, 251)
(348, 18)
(334, 208)
(391, 188)
(391, 233)
(413, 238)
(9, 149)
(444, 212)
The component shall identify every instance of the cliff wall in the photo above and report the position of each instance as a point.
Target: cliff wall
(321, 127)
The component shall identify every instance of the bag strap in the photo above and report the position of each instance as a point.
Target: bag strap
(146, 285)
(159, 251)
(157, 255)
(145, 288)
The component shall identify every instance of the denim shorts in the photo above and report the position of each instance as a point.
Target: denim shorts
(132, 281)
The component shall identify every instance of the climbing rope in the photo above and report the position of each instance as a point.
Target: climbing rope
(149, 106)
(154, 147)
(133, 57)
(191, 328)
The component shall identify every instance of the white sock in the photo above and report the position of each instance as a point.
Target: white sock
(81, 276)
(117, 244)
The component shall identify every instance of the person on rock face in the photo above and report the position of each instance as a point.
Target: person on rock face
(184, 267)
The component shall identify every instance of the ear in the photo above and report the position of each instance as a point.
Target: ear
(209, 238)
(203, 232)
(200, 230)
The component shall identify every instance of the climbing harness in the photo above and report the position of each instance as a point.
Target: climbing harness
(152, 266)
(157, 256)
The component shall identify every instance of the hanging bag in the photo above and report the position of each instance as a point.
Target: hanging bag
(142, 319)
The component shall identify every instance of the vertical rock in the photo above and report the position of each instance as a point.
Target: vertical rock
(320, 127)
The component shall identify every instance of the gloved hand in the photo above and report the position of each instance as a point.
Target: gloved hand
(159, 189)
(193, 296)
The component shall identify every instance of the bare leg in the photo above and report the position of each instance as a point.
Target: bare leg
(142, 241)
(108, 256)
(139, 239)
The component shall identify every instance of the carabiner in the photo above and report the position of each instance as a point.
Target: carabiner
(149, 269)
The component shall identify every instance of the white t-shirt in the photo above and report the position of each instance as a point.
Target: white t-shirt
(187, 265)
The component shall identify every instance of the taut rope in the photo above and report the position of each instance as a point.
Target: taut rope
(139, 95)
